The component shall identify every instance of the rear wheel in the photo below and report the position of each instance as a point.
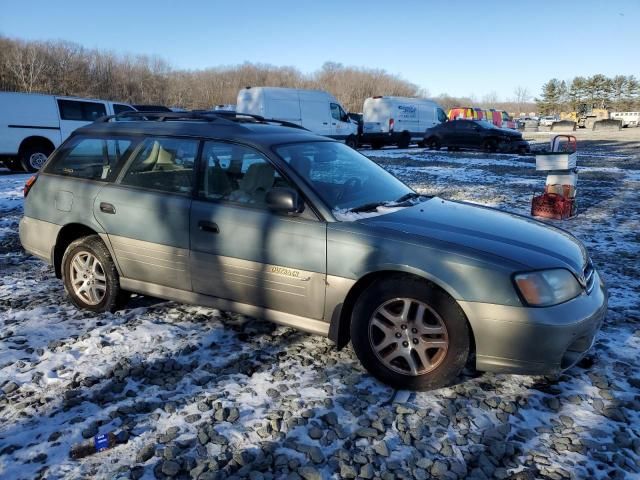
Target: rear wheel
(376, 145)
(409, 334)
(434, 144)
(90, 276)
(490, 146)
(352, 142)
(32, 158)
(404, 141)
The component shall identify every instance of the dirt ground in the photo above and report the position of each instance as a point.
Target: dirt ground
(206, 394)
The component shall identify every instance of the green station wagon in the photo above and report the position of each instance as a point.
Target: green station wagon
(257, 217)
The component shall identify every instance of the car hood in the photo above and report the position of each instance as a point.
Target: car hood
(520, 240)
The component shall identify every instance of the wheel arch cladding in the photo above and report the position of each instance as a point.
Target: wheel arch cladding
(68, 234)
(339, 330)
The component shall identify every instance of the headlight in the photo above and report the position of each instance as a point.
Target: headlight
(547, 287)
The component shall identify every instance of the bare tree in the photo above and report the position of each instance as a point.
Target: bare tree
(522, 96)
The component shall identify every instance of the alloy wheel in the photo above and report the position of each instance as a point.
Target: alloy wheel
(88, 279)
(408, 336)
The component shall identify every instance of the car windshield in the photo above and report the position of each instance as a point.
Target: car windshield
(343, 178)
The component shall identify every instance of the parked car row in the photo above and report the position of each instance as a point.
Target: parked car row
(32, 125)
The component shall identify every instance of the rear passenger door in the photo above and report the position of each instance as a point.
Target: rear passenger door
(145, 213)
(242, 251)
(77, 113)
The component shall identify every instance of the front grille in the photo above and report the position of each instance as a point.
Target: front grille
(589, 276)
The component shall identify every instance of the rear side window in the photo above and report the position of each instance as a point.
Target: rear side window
(164, 164)
(81, 111)
(119, 108)
(91, 158)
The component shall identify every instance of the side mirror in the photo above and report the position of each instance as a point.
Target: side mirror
(284, 200)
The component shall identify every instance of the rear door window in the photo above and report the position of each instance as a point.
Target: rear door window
(80, 110)
(91, 158)
(164, 164)
(442, 117)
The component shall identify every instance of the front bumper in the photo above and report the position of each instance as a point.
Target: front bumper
(536, 341)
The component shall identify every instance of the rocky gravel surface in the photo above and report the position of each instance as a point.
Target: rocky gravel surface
(201, 394)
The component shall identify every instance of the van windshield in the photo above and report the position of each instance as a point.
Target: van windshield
(343, 178)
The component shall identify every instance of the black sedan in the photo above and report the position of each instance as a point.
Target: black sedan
(475, 135)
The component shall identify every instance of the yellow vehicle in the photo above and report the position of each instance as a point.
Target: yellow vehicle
(586, 116)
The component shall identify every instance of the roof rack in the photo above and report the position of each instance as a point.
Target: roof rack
(224, 117)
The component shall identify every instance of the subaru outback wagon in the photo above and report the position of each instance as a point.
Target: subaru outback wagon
(242, 214)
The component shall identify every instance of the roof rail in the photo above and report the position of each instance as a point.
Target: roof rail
(224, 117)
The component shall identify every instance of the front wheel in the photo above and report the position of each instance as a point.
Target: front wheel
(351, 141)
(90, 276)
(409, 334)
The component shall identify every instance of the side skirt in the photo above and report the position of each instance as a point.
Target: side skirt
(305, 324)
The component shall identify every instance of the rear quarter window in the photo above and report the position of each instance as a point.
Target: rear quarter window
(80, 110)
(91, 158)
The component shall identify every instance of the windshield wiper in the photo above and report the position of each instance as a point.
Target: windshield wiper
(408, 196)
(368, 207)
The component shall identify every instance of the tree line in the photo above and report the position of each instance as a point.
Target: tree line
(620, 93)
(65, 68)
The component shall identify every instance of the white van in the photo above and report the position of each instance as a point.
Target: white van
(315, 110)
(398, 120)
(33, 125)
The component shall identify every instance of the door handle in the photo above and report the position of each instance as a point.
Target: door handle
(333, 124)
(208, 226)
(325, 123)
(107, 208)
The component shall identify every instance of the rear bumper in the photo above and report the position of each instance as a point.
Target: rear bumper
(38, 237)
(536, 341)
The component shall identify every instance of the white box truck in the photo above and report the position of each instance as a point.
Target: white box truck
(398, 120)
(33, 125)
(315, 110)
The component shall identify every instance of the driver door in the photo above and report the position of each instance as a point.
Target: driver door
(242, 251)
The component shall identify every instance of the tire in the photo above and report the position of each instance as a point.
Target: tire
(392, 295)
(352, 142)
(490, 146)
(33, 158)
(404, 141)
(105, 275)
(421, 144)
(434, 144)
(376, 145)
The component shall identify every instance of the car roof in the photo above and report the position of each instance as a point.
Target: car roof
(263, 134)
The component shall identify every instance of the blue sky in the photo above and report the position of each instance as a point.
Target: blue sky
(456, 47)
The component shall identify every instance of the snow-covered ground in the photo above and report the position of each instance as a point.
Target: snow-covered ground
(208, 394)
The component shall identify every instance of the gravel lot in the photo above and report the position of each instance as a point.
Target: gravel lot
(205, 394)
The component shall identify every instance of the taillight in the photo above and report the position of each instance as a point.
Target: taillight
(29, 184)
(391, 124)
